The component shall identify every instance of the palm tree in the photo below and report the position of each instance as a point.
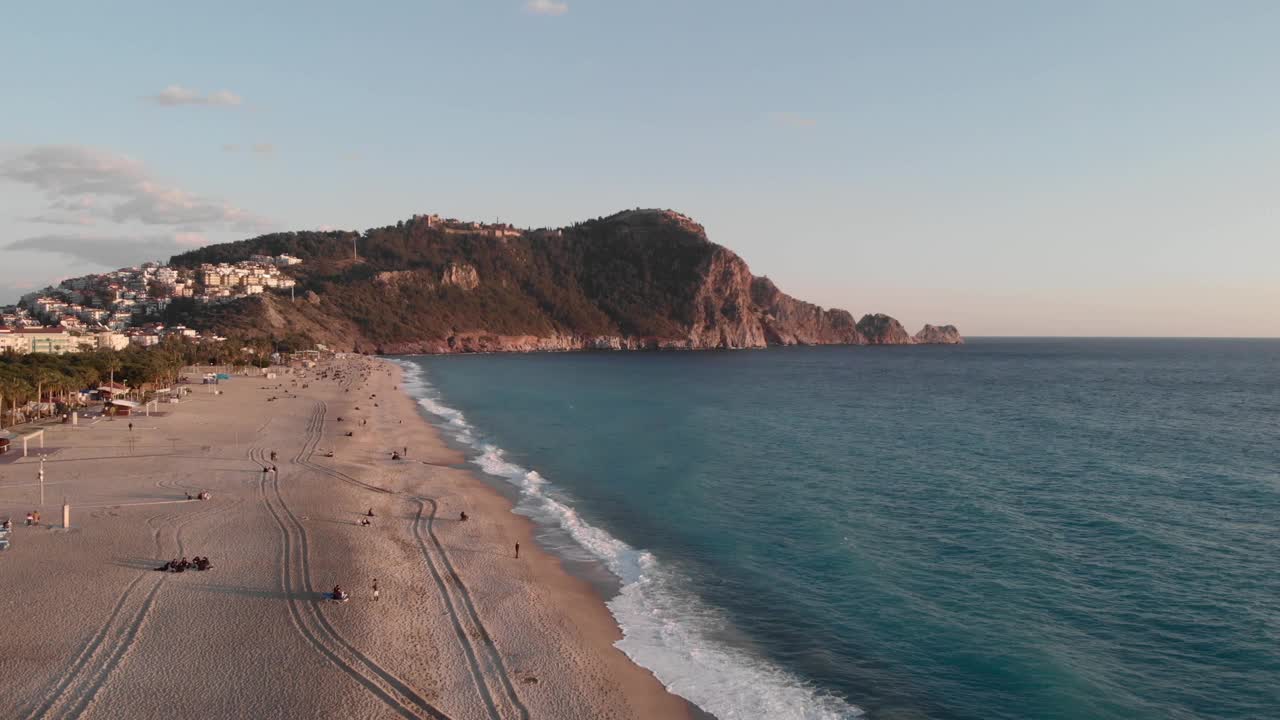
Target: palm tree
(43, 378)
(112, 365)
(12, 387)
(8, 388)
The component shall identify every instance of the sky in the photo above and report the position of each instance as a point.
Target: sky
(1013, 168)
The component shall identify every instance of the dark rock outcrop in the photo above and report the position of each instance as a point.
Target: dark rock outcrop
(880, 329)
(939, 335)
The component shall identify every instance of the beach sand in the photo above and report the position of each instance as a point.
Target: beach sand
(462, 629)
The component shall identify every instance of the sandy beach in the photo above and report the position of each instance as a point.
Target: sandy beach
(462, 628)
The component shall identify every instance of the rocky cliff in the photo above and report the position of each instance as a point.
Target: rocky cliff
(939, 335)
(637, 280)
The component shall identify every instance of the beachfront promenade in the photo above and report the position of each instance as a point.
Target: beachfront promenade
(462, 629)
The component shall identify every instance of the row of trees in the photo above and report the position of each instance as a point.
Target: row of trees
(57, 379)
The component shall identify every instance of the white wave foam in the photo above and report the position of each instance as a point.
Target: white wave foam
(664, 628)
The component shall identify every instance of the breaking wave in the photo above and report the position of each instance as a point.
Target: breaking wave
(664, 627)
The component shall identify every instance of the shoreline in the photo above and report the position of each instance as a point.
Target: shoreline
(461, 629)
(572, 584)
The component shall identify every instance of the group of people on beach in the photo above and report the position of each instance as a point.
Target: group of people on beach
(33, 517)
(175, 565)
(202, 495)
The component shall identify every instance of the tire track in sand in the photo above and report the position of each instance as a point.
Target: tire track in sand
(304, 602)
(92, 667)
(484, 662)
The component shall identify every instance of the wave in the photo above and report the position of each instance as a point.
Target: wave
(664, 627)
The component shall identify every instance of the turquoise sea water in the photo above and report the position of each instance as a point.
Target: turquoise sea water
(1009, 529)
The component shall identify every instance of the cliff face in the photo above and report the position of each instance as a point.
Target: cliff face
(637, 280)
(788, 321)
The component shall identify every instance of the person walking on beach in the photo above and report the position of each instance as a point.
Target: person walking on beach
(517, 551)
(131, 427)
(376, 595)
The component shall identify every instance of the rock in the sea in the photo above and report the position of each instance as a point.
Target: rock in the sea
(939, 335)
(880, 329)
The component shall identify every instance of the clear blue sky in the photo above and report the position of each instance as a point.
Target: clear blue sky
(1095, 168)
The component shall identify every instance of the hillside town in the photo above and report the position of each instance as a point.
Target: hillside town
(120, 308)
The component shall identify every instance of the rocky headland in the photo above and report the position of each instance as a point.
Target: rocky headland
(636, 280)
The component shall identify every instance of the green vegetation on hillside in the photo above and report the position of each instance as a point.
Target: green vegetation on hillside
(604, 277)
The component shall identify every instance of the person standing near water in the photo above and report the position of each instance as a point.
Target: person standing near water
(376, 595)
(517, 550)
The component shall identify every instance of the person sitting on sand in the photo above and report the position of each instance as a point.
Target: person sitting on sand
(30, 519)
(462, 517)
(338, 594)
(364, 522)
(395, 456)
(165, 567)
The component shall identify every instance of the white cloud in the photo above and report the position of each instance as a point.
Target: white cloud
(175, 95)
(108, 251)
(60, 219)
(546, 7)
(223, 97)
(231, 148)
(264, 148)
(84, 184)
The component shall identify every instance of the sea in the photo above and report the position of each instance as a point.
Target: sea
(1012, 528)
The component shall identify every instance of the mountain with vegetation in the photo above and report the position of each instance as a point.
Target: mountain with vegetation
(636, 280)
